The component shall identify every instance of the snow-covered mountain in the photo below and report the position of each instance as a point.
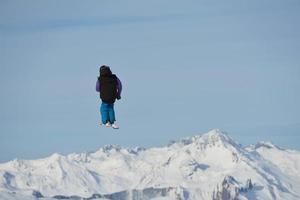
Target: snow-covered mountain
(208, 166)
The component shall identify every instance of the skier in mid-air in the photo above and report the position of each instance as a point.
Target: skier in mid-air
(110, 88)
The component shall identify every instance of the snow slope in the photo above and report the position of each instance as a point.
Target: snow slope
(208, 166)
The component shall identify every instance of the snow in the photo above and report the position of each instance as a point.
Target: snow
(199, 167)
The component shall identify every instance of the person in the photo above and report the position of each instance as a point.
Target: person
(110, 88)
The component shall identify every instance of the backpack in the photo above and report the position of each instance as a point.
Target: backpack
(108, 85)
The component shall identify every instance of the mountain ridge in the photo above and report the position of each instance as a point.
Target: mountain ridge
(207, 166)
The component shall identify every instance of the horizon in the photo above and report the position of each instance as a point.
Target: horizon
(212, 131)
(186, 67)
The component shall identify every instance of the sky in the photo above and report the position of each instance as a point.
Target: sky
(186, 67)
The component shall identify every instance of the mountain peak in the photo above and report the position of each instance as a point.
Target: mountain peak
(266, 144)
(55, 156)
(214, 137)
(216, 134)
(215, 131)
(217, 137)
(111, 147)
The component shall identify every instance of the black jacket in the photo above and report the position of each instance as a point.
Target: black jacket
(108, 87)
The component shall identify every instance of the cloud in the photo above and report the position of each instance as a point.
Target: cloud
(58, 24)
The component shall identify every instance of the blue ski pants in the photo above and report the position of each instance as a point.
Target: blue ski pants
(107, 113)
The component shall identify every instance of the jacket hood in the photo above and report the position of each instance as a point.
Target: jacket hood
(105, 71)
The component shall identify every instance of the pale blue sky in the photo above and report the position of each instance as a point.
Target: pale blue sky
(186, 67)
